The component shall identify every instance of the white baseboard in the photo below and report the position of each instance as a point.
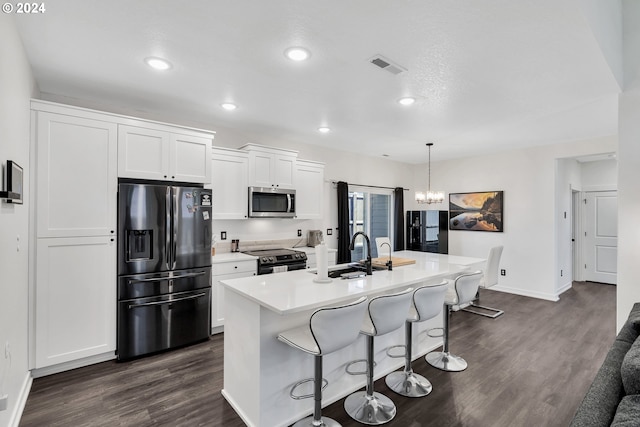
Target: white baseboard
(525, 293)
(67, 366)
(564, 288)
(16, 415)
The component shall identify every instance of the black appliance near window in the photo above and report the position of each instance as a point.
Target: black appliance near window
(428, 231)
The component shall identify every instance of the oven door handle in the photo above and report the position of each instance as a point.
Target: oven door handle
(147, 304)
(288, 203)
(160, 279)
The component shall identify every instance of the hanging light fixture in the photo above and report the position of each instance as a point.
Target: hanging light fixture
(430, 196)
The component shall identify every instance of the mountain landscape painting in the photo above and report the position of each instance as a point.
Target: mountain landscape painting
(476, 211)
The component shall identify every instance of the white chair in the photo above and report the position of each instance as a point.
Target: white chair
(383, 250)
(385, 313)
(490, 278)
(463, 291)
(426, 303)
(329, 330)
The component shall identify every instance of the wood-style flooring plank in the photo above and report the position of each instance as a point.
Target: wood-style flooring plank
(528, 367)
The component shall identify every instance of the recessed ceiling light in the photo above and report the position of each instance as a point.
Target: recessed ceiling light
(229, 106)
(158, 63)
(297, 53)
(324, 129)
(406, 100)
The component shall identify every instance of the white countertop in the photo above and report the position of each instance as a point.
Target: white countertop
(310, 250)
(231, 257)
(296, 291)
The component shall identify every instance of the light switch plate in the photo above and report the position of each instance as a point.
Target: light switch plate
(329, 232)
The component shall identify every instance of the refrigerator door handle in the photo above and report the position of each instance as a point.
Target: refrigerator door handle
(160, 279)
(170, 301)
(174, 240)
(167, 228)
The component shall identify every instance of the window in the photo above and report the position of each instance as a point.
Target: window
(369, 212)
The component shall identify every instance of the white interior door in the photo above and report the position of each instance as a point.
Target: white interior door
(601, 236)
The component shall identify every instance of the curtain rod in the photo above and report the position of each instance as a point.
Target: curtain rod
(369, 186)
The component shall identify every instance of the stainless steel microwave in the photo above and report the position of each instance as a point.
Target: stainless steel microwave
(265, 202)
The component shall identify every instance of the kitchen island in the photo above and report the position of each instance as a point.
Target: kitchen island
(259, 371)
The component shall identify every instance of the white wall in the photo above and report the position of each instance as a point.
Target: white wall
(530, 237)
(600, 175)
(629, 165)
(16, 88)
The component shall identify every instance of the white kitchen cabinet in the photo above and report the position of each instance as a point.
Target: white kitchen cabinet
(226, 271)
(309, 180)
(76, 173)
(160, 152)
(271, 167)
(229, 183)
(311, 258)
(75, 299)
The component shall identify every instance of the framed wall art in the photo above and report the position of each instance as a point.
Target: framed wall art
(481, 211)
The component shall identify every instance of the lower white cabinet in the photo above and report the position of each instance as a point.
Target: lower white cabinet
(75, 299)
(226, 271)
(311, 259)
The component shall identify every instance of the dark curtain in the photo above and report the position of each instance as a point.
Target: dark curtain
(344, 254)
(398, 218)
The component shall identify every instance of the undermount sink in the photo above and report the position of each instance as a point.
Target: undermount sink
(352, 270)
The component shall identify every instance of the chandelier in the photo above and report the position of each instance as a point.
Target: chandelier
(430, 196)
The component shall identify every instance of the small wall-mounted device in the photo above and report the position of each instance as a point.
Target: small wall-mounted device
(13, 183)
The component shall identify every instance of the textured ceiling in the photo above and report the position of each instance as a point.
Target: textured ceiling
(488, 75)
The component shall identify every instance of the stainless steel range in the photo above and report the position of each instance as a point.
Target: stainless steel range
(278, 260)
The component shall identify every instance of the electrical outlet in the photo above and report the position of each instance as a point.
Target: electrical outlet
(503, 272)
(223, 235)
(299, 233)
(329, 232)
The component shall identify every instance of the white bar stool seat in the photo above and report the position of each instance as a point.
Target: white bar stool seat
(385, 314)
(426, 303)
(463, 291)
(329, 330)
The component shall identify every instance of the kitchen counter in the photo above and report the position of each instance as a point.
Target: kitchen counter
(295, 291)
(310, 250)
(231, 257)
(259, 370)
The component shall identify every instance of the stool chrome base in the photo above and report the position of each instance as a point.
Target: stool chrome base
(372, 410)
(408, 384)
(446, 361)
(326, 422)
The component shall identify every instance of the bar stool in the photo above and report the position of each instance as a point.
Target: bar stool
(426, 303)
(329, 330)
(464, 290)
(385, 313)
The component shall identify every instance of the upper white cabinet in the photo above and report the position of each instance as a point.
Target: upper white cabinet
(309, 177)
(229, 183)
(76, 181)
(160, 152)
(271, 167)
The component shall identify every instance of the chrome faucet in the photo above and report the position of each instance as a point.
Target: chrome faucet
(389, 264)
(367, 263)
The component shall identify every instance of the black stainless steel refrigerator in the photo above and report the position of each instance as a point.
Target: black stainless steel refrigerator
(164, 267)
(428, 231)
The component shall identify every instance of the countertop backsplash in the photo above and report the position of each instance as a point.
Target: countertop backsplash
(246, 245)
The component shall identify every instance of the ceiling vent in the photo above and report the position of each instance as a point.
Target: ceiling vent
(387, 65)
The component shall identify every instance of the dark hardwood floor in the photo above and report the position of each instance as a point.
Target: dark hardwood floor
(529, 367)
